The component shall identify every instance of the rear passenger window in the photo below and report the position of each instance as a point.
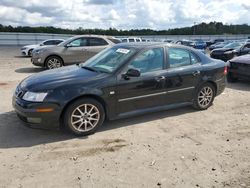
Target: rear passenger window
(97, 42)
(180, 57)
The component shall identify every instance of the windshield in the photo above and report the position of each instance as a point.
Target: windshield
(109, 59)
(233, 45)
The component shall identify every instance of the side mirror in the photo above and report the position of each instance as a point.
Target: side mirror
(131, 73)
(41, 44)
(68, 45)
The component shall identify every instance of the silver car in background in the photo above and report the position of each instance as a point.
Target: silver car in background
(72, 51)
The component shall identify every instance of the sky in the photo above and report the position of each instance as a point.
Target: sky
(122, 14)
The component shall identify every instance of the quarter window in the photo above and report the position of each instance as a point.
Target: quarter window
(97, 42)
(148, 61)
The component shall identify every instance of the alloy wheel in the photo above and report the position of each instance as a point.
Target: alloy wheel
(85, 117)
(53, 63)
(205, 96)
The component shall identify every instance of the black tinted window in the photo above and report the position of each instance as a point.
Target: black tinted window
(97, 42)
(57, 42)
(49, 42)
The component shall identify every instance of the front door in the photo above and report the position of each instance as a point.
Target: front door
(147, 90)
(75, 51)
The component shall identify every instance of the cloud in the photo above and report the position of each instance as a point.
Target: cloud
(122, 14)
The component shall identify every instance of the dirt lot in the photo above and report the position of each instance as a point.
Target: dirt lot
(175, 148)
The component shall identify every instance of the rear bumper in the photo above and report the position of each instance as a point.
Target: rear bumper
(221, 85)
(27, 112)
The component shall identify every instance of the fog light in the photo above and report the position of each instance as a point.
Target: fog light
(39, 60)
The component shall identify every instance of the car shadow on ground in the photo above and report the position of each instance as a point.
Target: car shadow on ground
(240, 85)
(21, 56)
(29, 70)
(14, 133)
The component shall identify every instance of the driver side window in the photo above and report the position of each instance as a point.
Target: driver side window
(148, 61)
(79, 42)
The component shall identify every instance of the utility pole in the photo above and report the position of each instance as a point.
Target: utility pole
(194, 27)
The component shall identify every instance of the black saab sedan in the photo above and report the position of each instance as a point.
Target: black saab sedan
(231, 50)
(239, 68)
(127, 79)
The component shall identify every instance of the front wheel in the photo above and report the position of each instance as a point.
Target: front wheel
(30, 52)
(84, 116)
(53, 62)
(204, 97)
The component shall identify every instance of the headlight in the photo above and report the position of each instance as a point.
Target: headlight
(34, 97)
(38, 51)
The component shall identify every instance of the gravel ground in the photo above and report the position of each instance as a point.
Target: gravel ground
(175, 148)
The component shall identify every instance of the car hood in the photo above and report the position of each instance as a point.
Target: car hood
(52, 79)
(241, 59)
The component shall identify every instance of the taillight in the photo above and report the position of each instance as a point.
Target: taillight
(225, 70)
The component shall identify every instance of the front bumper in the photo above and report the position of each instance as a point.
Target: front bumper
(27, 112)
(37, 62)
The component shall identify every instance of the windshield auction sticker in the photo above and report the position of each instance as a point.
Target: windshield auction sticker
(122, 50)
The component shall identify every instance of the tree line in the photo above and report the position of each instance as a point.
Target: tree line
(212, 28)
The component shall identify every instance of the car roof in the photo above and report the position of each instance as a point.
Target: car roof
(142, 45)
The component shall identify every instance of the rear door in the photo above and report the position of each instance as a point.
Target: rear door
(182, 76)
(95, 45)
(147, 90)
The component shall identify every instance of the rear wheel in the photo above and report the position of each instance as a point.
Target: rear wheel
(53, 62)
(84, 116)
(204, 97)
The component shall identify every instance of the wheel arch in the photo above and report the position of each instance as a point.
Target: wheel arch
(93, 96)
(210, 82)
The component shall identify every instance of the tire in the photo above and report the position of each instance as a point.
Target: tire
(30, 52)
(231, 78)
(53, 62)
(78, 119)
(204, 97)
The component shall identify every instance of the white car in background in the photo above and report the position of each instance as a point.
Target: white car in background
(27, 50)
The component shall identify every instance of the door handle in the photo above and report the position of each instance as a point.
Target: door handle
(160, 78)
(196, 73)
(84, 49)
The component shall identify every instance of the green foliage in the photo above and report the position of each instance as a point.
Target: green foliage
(211, 28)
